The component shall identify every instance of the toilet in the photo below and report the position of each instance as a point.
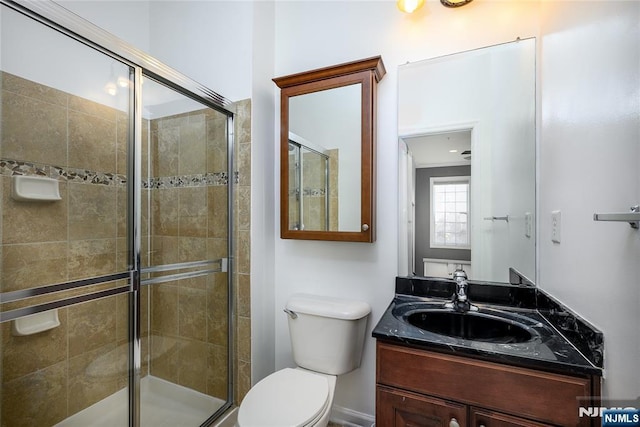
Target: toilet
(327, 337)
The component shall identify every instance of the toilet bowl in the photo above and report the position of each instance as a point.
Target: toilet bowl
(289, 398)
(327, 336)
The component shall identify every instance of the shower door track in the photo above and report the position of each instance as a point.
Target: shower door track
(59, 19)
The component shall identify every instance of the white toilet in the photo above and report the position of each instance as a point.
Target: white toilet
(327, 337)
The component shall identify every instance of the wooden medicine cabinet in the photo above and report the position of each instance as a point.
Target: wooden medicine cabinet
(328, 152)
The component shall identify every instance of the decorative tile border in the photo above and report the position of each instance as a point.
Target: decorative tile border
(310, 192)
(14, 167)
(183, 181)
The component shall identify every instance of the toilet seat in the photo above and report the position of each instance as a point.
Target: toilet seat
(287, 398)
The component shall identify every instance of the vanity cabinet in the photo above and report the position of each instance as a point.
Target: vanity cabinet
(417, 387)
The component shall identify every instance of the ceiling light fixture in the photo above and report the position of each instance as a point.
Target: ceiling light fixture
(455, 3)
(409, 6)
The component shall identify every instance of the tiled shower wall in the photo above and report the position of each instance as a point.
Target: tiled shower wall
(51, 375)
(242, 237)
(189, 218)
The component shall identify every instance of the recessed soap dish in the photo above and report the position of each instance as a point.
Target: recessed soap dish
(34, 188)
(34, 323)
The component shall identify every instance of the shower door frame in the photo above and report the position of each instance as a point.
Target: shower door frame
(142, 65)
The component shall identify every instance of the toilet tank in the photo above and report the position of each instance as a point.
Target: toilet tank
(327, 334)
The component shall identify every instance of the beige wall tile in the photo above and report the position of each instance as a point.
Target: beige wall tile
(217, 371)
(165, 250)
(92, 108)
(244, 339)
(192, 306)
(18, 85)
(244, 295)
(243, 121)
(217, 311)
(163, 362)
(193, 211)
(166, 151)
(192, 365)
(244, 163)
(192, 248)
(89, 258)
(92, 142)
(92, 211)
(244, 251)
(217, 142)
(164, 310)
(165, 214)
(29, 265)
(92, 325)
(217, 248)
(122, 318)
(244, 208)
(93, 376)
(37, 399)
(243, 383)
(193, 154)
(122, 141)
(218, 211)
(33, 130)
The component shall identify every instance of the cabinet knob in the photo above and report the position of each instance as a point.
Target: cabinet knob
(453, 423)
(365, 227)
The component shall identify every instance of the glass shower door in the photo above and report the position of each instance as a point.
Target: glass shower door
(185, 374)
(64, 252)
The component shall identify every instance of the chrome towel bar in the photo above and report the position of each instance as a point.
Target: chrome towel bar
(632, 217)
(497, 218)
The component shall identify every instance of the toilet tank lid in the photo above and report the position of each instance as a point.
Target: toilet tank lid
(337, 308)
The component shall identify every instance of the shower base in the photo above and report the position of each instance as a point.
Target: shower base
(162, 404)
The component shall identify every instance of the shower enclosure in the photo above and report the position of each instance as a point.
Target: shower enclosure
(116, 231)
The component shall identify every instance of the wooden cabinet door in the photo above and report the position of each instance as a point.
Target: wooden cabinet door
(485, 418)
(396, 408)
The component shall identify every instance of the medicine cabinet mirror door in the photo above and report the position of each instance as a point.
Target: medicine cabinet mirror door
(327, 152)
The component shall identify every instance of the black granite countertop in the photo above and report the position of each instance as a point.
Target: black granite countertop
(561, 341)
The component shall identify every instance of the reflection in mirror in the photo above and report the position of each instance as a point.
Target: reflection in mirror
(327, 126)
(309, 186)
(467, 163)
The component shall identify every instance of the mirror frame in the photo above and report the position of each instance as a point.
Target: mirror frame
(367, 72)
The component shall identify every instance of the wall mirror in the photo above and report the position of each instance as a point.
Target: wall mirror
(327, 152)
(467, 150)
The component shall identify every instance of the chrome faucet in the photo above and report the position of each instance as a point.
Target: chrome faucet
(460, 301)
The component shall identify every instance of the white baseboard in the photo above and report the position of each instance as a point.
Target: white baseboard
(349, 418)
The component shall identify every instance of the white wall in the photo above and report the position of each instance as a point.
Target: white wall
(589, 152)
(128, 20)
(209, 41)
(316, 34)
(264, 206)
